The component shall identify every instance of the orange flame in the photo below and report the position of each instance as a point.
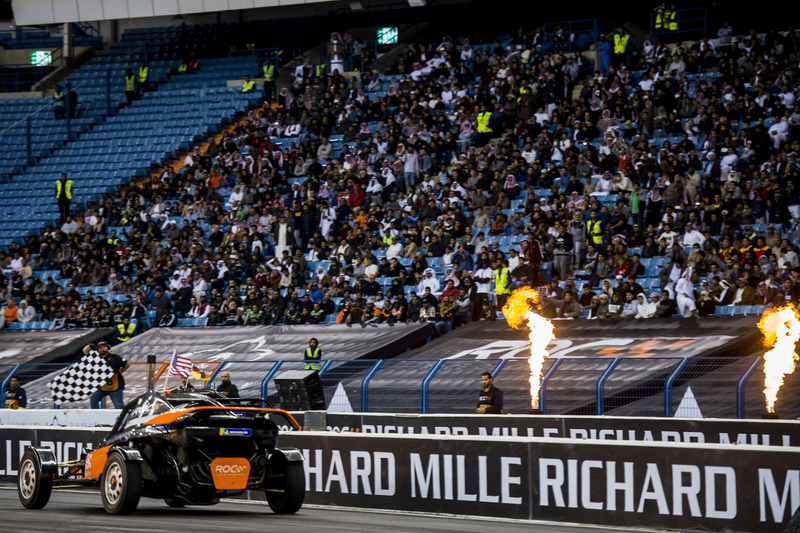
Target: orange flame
(519, 309)
(781, 329)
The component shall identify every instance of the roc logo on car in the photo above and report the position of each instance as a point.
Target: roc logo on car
(230, 472)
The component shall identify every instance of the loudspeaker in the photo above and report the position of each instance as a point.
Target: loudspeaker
(300, 390)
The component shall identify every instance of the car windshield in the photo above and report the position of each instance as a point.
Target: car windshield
(149, 407)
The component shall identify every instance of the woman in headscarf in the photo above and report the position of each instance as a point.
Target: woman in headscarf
(646, 308)
(684, 294)
(450, 275)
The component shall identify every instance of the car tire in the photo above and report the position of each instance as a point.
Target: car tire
(121, 485)
(32, 487)
(286, 487)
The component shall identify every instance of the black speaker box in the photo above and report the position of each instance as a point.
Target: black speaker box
(300, 390)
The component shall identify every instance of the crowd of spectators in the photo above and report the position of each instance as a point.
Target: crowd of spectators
(474, 171)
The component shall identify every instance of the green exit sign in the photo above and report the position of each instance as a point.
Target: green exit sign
(41, 58)
(387, 35)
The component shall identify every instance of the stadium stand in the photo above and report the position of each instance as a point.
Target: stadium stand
(662, 178)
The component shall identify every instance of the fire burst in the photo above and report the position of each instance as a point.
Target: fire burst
(519, 309)
(781, 329)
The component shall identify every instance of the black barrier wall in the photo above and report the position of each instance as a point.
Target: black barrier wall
(657, 485)
(702, 487)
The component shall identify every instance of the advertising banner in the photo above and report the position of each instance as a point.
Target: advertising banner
(702, 487)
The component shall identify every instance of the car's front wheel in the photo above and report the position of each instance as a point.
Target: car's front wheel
(286, 484)
(33, 487)
(121, 486)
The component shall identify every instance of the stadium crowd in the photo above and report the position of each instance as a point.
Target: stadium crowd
(429, 192)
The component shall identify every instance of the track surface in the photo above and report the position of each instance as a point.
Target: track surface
(82, 511)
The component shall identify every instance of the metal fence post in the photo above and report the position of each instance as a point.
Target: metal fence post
(543, 387)
(668, 386)
(740, 407)
(265, 381)
(29, 138)
(601, 383)
(365, 385)
(426, 384)
(108, 92)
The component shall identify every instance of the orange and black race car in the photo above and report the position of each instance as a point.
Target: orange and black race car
(187, 448)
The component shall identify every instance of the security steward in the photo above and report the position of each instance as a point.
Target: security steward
(130, 86)
(594, 230)
(313, 356)
(144, 78)
(115, 386)
(620, 46)
(269, 81)
(490, 400)
(125, 330)
(484, 128)
(63, 196)
(249, 85)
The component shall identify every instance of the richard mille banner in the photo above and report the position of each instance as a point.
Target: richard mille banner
(711, 431)
(697, 487)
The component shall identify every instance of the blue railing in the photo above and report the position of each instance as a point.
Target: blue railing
(722, 387)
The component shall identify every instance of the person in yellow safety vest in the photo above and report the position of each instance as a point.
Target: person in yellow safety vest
(313, 355)
(59, 103)
(125, 330)
(620, 46)
(63, 195)
(501, 282)
(248, 85)
(143, 79)
(130, 86)
(666, 18)
(183, 68)
(484, 126)
(594, 230)
(320, 70)
(269, 81)
(112, 239)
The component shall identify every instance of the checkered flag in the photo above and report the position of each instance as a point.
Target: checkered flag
(80, 380)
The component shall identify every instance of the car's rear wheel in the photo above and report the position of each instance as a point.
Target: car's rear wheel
(121, 486)
(32, 487)
(286, 485)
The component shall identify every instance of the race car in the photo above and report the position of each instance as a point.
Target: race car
(187, 448)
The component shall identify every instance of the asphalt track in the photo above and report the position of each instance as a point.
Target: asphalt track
(72, 510)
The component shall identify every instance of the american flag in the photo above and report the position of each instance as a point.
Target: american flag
(180, 366)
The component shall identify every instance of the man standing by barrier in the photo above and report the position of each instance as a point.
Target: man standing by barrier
(313, 355)
(226, 388)
(115, 386)
(15, 395)
(490, 400)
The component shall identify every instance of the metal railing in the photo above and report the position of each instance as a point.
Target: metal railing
(569, 36)
(720, 387)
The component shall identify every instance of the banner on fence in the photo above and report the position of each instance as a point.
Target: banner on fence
(276, 343)
(711, 336)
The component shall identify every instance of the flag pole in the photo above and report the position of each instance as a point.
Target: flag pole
(174, 351)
